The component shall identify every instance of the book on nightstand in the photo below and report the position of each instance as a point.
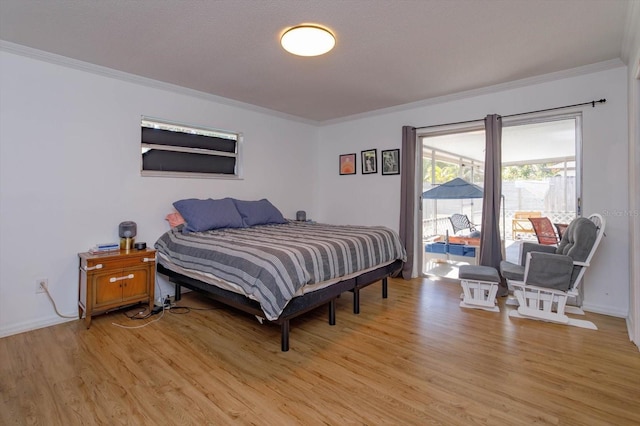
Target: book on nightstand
(104, 247)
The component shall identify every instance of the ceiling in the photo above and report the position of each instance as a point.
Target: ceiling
(388, 53)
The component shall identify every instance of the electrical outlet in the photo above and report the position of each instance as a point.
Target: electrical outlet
(41, 285)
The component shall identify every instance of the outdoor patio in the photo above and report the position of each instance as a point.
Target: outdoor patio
(439, 267)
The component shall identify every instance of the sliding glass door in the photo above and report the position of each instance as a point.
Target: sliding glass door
(540, 177)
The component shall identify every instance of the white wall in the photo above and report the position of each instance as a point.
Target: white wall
(375, 199)
(69, 173)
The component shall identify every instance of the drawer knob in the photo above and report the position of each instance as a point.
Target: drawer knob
(148, 259)
(114, 279)
(98, 266)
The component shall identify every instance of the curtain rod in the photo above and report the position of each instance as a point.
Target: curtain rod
(592, 103)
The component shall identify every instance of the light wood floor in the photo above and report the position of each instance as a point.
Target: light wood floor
(414, 358)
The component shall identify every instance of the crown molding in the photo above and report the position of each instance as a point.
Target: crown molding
(64, 61)
(530, 81)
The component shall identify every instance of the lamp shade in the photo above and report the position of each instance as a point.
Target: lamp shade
(127, 229)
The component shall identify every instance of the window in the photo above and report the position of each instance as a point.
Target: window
(173, 149)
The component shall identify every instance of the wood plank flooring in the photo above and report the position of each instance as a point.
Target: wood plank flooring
(414, 358)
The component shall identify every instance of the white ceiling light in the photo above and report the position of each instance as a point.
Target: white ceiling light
(307, 40)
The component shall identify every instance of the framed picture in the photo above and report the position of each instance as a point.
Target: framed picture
(369, 161)
(348, 164)
(391, 162)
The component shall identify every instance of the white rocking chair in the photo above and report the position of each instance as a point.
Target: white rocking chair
(553, 275)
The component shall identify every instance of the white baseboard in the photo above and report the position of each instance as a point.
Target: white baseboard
(33, 325)
(605, 310)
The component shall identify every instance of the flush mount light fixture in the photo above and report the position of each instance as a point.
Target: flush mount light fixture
(308, 40)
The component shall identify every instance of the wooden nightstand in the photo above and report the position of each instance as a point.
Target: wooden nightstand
(115, 279)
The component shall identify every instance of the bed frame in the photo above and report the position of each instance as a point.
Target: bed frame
(298, 305)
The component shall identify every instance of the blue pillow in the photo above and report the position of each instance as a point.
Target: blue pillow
(260, 212)
(203, 215)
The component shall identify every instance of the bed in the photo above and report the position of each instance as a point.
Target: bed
(278, 271)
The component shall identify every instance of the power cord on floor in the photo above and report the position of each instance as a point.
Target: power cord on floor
(145, 317)
(186, 309)
(173, 308)
(53, 302)
(138, 315)
(166, 306)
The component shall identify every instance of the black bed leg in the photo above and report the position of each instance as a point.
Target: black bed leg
(332, 312)
(356, 300)
(178, 294)
(284, 336)
(384, 288)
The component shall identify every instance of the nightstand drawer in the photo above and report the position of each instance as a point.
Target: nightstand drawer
(108, 263)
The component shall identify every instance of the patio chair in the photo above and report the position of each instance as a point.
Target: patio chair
(520, 224)
(560, 227)
(543, 228)
(460, 222)
(549, 276)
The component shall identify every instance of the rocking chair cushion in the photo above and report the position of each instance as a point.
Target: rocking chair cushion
(530, 247)
(512, 271)
(549, 270)
(515, 272)
(577, 242)
(479, 272)
(578, 239)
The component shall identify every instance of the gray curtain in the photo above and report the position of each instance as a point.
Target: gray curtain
(490, 244)
(408, 196)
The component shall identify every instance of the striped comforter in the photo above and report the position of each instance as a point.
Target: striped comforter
(273, 262)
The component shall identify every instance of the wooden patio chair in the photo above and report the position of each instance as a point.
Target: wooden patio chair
(520, 223)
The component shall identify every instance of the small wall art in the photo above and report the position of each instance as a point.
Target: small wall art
(391, 162)
(369, 161)
(348, 164)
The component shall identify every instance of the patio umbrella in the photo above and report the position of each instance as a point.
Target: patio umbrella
(453, 190)
(458, 189)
